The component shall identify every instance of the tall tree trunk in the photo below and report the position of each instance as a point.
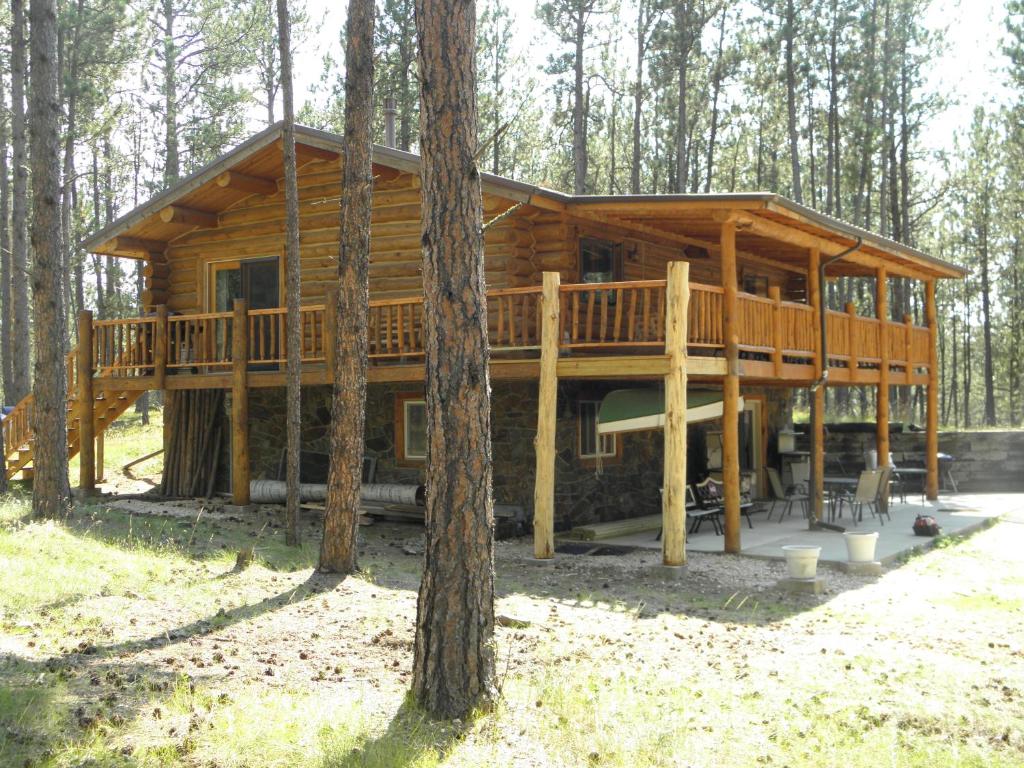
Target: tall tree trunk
(50, 491)
(684, 40)
(643, 21)
(453, 670)
(19, 208)
(789, 33)
(97, 260)
(716, 87)
(6, 313)
(172, 164)
(579, 128)
(348, 413)
(293, 285)
(986, 319)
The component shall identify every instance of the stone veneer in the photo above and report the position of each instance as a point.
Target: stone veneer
(619, 488)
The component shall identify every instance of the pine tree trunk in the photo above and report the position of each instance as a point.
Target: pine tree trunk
(172, 165)
(716, 87)
(453, 669)
(789, 31)
(19, 208)
(579, 128)
(6, 349)
(50, 491)
(638, 94)
(293, 286)
(348, 415)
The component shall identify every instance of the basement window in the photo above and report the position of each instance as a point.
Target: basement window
(410, 427)
(590, 444)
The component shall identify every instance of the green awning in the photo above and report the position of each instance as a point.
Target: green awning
(634, 410)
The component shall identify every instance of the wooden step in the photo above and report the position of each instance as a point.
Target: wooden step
(613, 528)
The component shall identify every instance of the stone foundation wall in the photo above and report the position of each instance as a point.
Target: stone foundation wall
(585, 491)
(984, 461)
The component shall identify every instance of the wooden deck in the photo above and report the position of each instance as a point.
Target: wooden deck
(614, 330)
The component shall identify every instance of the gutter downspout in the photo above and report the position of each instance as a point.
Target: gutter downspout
(823, 377)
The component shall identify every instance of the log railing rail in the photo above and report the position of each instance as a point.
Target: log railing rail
(592, 317)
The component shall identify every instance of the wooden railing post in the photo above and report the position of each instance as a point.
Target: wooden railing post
(775, 294)
(160, 348)
(730, 390)
(851, 340)
(240, 404)
(816, 300)
(908, 340)
(931, 449)
(547, 405)
(882, 410)
(86, 430)
(673, 499)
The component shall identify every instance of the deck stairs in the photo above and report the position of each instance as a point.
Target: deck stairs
(19, 441)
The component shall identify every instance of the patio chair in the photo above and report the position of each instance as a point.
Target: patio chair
(797, 494)
(871, 492)
(716, 488)
(898, 482)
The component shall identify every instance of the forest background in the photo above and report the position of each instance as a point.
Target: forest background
(905, 117)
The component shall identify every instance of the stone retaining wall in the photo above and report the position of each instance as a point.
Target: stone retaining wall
(984, 461)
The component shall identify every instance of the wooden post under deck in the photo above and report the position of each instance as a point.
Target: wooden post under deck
(882, 411)
(931, 443)
(673, 499)
(851, 342)
(240, 404)
(547, 405)
(817, 479)
(775, 295)
(86, 399)
(730, 390)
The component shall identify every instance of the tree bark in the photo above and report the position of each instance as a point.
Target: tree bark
(19, 209)
(293, 287)
(717, 75)
(6, 350)
(50, 491)
(351, 305)
(453, 669)
(789, 34)
(172, 165)
(579, 116)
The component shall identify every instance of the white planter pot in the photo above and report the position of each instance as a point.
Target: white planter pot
(860, 546)
(802, 560)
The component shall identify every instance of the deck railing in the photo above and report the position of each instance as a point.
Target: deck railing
(619, 316)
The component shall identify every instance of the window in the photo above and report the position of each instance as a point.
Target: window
(600, 261)
(592, 445)
(755, 284)
(410, 427)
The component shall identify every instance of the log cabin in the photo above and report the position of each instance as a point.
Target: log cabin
(680, 295)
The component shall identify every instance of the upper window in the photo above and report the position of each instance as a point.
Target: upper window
(411, 427)
(600, 261)
(591, 444)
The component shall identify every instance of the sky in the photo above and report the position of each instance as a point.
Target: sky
(968, 73)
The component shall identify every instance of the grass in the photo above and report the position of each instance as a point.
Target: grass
(118, 633)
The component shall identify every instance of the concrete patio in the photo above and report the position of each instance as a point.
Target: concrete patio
(955, 513)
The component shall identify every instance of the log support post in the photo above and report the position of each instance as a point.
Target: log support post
(240, 404)
(775, 294)
(882, 410)
(851, 341)
(160, 348)
(673, 500)
(86, 401)
(931, 449)
(730, 390)
(547, 409)
(817, 479)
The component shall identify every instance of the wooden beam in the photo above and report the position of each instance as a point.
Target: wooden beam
(179, 214)
(730, 390)
(240, 404)
(156, 269)
(673, 498)
(140, 247)
(882, 410)
(243, 182)
(775, 294)
(86, 401)
(306, 152)
(817, 479)
(931, 444)
(853, 362)
(547, 412)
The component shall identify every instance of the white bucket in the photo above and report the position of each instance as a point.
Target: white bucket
(860, 546)
(802, 560)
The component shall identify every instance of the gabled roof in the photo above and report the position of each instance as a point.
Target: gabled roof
(773, 228)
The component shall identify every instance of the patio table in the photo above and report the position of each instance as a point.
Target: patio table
(917, 472)
(838, 482)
